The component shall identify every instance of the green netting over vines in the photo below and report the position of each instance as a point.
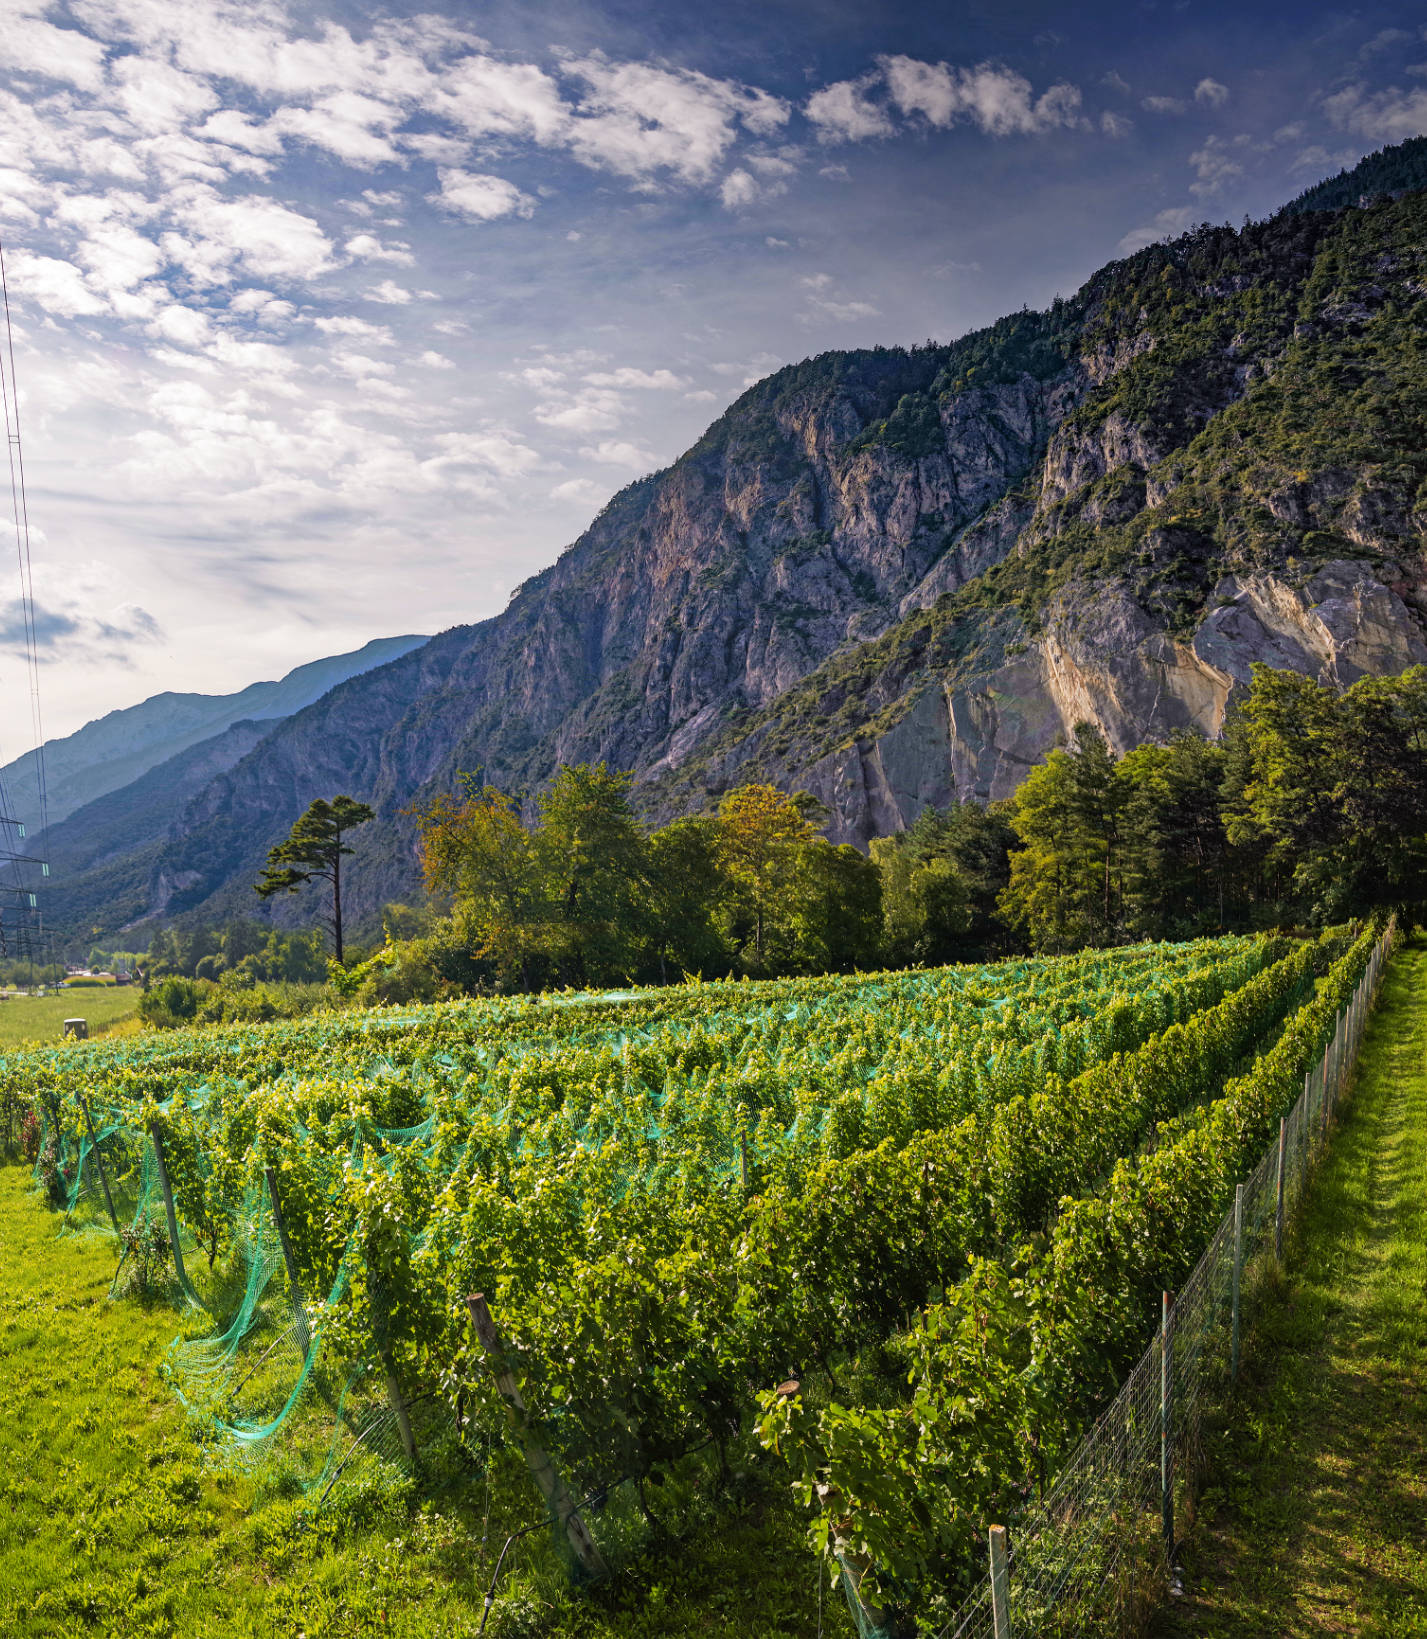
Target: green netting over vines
(666, 1196)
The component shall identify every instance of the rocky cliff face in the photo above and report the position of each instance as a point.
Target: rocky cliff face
(895, 577)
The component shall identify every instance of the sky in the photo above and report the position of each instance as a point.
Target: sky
(339, 322)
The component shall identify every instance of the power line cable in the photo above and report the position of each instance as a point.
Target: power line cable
(20, 520)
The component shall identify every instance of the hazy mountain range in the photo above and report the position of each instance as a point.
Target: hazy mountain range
(887, 576)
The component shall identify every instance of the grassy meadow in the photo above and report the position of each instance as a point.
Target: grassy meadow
(1316, 1517)
(41, 1018)
(113, 1523)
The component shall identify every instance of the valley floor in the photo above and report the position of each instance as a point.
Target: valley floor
(1315, 1521)
(111, 1523)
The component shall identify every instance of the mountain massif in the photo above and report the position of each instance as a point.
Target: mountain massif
(896, 577)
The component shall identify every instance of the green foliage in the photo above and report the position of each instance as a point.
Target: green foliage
(174, 1001)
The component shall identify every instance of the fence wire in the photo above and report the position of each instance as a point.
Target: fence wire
(1094, 1555)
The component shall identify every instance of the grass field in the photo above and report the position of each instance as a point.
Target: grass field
(1316, 1520)
(110, 1523)
(41, 1018)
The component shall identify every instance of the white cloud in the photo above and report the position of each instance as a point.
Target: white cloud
(1211, 93)
(33, 46)
(1213, 166)
(1163, 105)
(701, 395)
(1386, 116)
(354, 127)
(52, 284)
(367, 247)
(843, 113)
(259, 235)
(998, 100)
(485, 97)
(502, 452)
(361, 366)
(822, 303)
(156, 97)
(628, 376)
(639, 119)
(584, 492)
(592, 409)
(738, 190)
(390, 292)
(346, 325)
(480, 197)
(238, 130)
(616, 454)
(1115, 125)
(184, 326)
(435, 361)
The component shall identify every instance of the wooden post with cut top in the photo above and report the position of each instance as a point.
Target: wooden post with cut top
(1000, 1584)
(547, 1478)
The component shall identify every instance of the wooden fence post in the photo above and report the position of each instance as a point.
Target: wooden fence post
(1000, 1579)
(1166, 1427)
(1278, 1211)
(179, 1270)
(1238, 1279)
(99, 1162)
(299, 1311)
(557, 1496)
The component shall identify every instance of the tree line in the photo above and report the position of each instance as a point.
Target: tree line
(1310, 808)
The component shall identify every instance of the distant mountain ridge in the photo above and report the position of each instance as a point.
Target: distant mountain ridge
(114, 750)
(896, 577)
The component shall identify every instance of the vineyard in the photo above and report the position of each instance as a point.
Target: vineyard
(904, 1232)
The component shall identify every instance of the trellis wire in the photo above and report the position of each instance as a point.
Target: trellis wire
(1094, 1555)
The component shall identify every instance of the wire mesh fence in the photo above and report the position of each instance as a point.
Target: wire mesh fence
(1093, 1556)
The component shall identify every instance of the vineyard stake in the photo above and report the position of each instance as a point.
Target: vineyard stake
(546, 1476)
(1278, 1211)
(99, 1162)
(1238, 1278)
(1166, 1428)
(179, 1270)
(1000, 1598)
(299, 1311)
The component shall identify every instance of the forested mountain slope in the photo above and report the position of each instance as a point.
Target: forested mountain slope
(894, 576)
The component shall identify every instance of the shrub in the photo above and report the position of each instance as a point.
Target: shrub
(146, 1259)
(174, 1001)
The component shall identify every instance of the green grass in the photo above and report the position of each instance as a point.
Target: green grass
(1315, 1521)
(113, 1522)
(41, 1018)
